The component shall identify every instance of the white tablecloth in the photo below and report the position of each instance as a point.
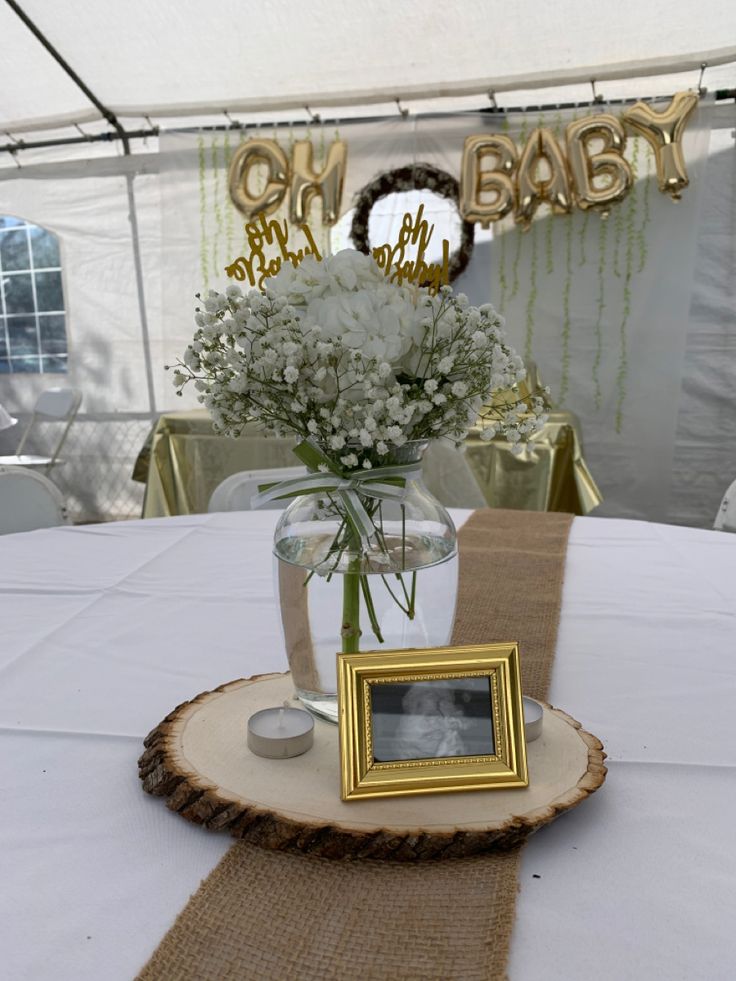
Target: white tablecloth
(106, 628)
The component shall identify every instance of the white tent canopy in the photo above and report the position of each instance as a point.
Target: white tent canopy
(183, 58)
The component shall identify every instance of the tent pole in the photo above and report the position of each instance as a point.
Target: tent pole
(64, 64)
(17, 145)
(143, 312)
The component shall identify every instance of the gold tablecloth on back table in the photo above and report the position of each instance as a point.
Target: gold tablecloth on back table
(184, 460)
(549, 474)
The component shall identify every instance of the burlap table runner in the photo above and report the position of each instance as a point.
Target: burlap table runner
(270, 916)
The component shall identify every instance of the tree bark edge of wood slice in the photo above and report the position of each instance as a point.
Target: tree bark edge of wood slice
(189, 793)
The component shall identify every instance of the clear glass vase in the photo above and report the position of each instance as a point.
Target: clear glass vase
(391, 590)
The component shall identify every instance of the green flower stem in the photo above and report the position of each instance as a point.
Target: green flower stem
(375, 625)
(351, 607)
(408, 610)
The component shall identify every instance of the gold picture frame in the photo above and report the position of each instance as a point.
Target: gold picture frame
(394, 703)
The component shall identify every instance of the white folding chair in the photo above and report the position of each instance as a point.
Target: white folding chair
(28, 500)
(53, 405)
(726, 517)
(236, 492)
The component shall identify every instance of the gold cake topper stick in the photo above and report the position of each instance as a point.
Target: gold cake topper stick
(255, 266)
(415, 230)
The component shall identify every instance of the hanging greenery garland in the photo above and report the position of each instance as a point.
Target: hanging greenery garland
(641, 231)
(502, 282)
(202, 160)
(531, 296)
(227, 153)
(566, 317)
(216, 205)
(603, 227)
(415, 177)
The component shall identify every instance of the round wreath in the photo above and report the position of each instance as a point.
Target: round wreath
(414, 177)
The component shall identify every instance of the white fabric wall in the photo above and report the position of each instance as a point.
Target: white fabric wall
(110, 359)
(603, 308)
(705, 445)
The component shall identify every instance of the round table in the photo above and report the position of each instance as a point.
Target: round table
(107, 627)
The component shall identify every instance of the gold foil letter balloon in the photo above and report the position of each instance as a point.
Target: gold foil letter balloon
(305, 183)
(664, 132)
(608, 163)
(498, 181)
(532, 189)
(248, 155)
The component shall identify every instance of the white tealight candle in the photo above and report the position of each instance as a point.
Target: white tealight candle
(279, 733)
(533, 713)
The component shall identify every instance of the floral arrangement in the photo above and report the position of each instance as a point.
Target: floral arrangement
(338, 354)
(357, 364)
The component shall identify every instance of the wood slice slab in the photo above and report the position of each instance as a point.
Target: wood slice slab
(198, 759)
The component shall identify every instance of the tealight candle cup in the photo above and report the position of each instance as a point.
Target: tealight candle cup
(281, 732)
(533, 717)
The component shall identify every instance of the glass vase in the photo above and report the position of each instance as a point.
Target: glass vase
(338, 591)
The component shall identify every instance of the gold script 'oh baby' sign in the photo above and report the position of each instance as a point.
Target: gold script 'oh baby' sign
(256, 266)
(587, 170)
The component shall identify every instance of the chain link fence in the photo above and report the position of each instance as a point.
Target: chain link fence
(96, 464)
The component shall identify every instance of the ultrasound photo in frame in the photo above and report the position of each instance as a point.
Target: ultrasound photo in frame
(433, 720)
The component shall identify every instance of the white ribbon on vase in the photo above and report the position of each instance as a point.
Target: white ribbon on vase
(381, 483)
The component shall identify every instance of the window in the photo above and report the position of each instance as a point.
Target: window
(32, 321)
